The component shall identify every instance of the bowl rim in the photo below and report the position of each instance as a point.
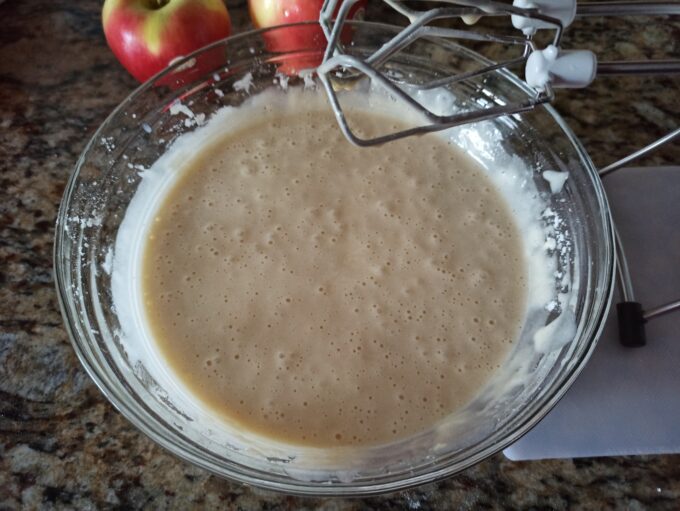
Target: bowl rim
(143, 422)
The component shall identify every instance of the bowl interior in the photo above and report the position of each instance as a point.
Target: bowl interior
(141, 129)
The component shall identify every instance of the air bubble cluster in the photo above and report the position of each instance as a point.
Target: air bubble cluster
(329, 295)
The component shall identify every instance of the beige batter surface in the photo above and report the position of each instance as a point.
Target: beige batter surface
(322, 294)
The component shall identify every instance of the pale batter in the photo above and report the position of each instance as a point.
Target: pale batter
(323, 294)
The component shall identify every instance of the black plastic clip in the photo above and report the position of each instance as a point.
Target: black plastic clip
(631, 324)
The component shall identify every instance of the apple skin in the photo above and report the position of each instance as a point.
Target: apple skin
(146, 35)
(269, 13)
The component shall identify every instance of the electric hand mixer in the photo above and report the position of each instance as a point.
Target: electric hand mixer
(545, 70)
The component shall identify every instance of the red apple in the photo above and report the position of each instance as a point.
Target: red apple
(269, 13)
(146, 35)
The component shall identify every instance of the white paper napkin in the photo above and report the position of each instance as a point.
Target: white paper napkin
(627, 400)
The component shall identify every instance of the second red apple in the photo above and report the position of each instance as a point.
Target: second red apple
(310, 39)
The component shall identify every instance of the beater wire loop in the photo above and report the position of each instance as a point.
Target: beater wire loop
(340, 67)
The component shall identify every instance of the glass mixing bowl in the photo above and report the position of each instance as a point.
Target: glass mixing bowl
(140, 130)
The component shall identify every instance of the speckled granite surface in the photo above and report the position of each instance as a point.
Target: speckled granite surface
(63, 446)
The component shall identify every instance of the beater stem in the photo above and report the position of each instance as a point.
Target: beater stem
(623, 8)
(662, 309)
(638, 67)
(625, 282)
(637, 154)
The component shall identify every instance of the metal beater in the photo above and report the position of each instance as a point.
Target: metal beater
(545, 70)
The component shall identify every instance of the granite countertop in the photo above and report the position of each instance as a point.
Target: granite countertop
(62, 445)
